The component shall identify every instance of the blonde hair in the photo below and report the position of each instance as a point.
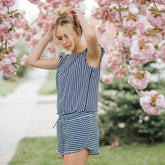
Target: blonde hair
(65, 17)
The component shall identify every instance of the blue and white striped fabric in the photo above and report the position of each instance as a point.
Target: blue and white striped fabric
(76, 131)
(77, 83)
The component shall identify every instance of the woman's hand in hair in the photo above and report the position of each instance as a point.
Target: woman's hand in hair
(50, 32)
(77, 14)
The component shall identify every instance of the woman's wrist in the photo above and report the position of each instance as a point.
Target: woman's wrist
(49, 36)
(86, 28)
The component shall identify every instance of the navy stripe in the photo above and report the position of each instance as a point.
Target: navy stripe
(76, 131)
(77, 83)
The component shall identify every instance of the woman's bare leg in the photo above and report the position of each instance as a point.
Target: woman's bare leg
(76, 158)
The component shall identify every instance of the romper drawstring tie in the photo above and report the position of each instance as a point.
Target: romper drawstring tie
(55, 123)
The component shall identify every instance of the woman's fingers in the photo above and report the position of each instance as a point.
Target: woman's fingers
(74, 13)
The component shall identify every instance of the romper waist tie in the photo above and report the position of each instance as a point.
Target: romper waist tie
(69, 116)
(55, 123)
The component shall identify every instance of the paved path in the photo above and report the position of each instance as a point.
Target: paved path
(43, 118)
(22, 113)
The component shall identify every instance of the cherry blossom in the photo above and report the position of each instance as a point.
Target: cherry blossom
(160, 1)
(152, 102)
(139, 79)
(35, 1)
(133, 9)
(8, 20)
(162, 49)
(107, 78)
(8, 3)
(7, 64)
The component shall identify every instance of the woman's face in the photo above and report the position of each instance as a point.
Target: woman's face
(65, 35)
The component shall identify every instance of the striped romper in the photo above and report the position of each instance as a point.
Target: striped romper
(77, 101)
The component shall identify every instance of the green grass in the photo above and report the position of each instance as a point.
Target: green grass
(7, 87)
(49, 86)
(42, 151)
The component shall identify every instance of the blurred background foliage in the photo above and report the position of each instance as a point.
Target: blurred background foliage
(123, 120)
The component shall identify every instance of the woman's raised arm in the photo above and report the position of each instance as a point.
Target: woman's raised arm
(94, 51)
(34, 59)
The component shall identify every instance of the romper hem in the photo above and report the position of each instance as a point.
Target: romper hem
(91, 151)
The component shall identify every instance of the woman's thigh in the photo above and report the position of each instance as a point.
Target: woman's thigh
(76, 158)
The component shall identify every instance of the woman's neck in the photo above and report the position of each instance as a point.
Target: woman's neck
(79, 48)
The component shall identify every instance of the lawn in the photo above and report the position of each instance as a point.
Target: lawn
(42, 151)
(49, 86)
(7, 87)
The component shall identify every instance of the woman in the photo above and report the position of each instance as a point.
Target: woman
(77, 80)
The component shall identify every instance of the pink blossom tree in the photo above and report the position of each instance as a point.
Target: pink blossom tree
(8, 19)
(139, 39)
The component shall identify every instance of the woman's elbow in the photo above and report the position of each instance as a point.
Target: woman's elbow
(30, 59)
